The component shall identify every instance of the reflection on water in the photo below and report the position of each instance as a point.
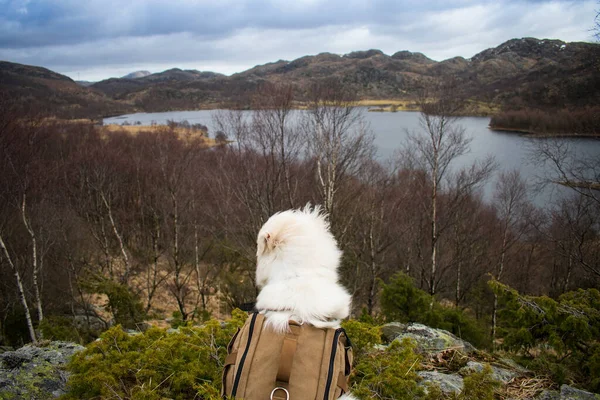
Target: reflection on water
(510, 150)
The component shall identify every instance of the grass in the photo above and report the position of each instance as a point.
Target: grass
(137, 129)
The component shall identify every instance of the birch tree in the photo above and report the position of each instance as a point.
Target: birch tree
(339, 142)
(22, 296)
(439, 142)
(514, 209)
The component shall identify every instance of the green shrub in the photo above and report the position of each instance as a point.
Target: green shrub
(155, 364)
(389, 373)
(125, 306)
(402, 301)
(479, 385)
(60, 328)
(177, 320)
(364, 336)
(563, 333)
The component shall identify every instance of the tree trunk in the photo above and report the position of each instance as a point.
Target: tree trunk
(34, 260)
(432, 287)
(21, 292)
(125, 277)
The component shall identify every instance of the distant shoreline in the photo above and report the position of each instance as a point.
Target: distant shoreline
(542, 135)
(474, 109)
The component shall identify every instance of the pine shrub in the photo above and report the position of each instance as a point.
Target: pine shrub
(155, 364)
(402, 301)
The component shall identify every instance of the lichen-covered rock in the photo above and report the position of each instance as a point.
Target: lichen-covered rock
(570, 393)
(448, 383)
(428, 339)
(34, 373)
(498, 374)
(548, 395)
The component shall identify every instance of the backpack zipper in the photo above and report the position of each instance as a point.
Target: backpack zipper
(336, 338)
(238, 374)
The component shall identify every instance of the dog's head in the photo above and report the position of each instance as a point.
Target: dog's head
(294, 243)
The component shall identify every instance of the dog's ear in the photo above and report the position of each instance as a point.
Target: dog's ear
(270, 241)
(266, 242)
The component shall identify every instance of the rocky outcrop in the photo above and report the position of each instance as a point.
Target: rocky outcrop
(448, 383)
(498, 373)
(429, 340)
(570, 393)
(35, 373)
(438, 345)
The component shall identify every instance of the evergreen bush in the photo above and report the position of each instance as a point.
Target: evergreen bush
(402, 301)
(155, 364)
(559, 337)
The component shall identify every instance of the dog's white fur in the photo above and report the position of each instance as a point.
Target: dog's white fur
(297, 262)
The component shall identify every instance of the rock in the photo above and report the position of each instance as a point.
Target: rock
(513, 365)
(499, 374)
(392, 330)
(90, 322)
(570, 393)
(448, 383)
(548, 395)
(428, 339)
(36, 372)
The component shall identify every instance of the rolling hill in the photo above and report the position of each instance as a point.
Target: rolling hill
(519, 73)
(49, 92)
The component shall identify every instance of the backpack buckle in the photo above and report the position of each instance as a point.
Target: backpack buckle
(287, 394)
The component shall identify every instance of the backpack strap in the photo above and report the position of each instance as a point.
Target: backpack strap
(288, 350)
(230, 359)
(344, 376)
(286, 360)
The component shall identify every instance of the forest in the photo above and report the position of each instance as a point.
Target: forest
(99, 228)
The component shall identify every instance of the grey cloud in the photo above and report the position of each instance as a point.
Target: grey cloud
(75, 35)
(48, 22)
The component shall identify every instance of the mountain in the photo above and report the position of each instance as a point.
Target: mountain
(524, 72)
(519, 73)
(136, 74)
(131, 89)
(49, 92)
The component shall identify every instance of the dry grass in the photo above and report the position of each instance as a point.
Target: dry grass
(526, 388)
(140, 129)
(384, 102)
(392, 105)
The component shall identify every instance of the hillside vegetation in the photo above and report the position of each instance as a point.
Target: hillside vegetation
(520, 73)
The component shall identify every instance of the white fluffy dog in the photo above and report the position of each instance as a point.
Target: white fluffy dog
(297, 262)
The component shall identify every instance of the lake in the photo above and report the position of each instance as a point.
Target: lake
(509, 149)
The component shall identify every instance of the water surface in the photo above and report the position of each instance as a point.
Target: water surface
(510, 150)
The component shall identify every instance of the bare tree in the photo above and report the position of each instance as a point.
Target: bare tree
(573, 233)
(276, 132)
(564, 166)
(433, 149)
(373, 235)
(175, 158)
(22, 296)
(514, 211)
(339, 141)
(596, 28)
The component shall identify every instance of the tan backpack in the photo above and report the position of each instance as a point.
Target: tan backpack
(304, 364)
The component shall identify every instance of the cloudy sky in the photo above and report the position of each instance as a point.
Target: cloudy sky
(97, 39)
